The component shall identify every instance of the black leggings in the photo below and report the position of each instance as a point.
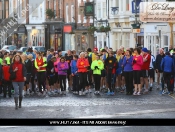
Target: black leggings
(137, 75)
(75, 83)
(129, 81)
(83, 80)
(97, 80)
(33, 82)
(111, 81)
(62, 79)
(41, 76)
(89, 78)
(7, 85)
(167, 78)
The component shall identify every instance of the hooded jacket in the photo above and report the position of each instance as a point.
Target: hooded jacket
(167, 64)
(62, 68)
(100, 66)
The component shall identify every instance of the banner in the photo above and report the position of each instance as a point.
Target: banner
(87, 122)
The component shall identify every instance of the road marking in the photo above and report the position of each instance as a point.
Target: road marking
(172, 96)
(8, 126)
(111, 129)
(131, 113)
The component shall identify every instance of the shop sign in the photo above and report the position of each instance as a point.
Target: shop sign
(89, 9)
(136, 30)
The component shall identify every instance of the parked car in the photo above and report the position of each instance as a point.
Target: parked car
(64, 52)
(39, 48)
(23, 49)
(9, 47)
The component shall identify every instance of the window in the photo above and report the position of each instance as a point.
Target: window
(35, 11)
(48, 2)
(7, 9)
(23, 8)
(60, 9)
(104, 9)
(72, 13)
(127, 39)
(1, 11)
(99, 10)
(67, 18)
(127, 5)
(54, 2)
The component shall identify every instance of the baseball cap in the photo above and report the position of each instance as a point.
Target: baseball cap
(144, 49)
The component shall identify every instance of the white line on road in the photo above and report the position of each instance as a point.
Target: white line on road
(111, 129)
(8, 126)
(131, 113)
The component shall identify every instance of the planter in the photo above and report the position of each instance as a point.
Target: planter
(84, 33)
(102, 29)
(50, 13)
(107, 29)
(72, 32)
(92, 29)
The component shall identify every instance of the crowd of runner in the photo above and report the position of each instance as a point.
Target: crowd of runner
(125, 70)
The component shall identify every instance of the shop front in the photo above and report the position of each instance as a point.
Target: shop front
(17, 36)
(84, 40)
(35, 35)
(53, 35)
(156, 35)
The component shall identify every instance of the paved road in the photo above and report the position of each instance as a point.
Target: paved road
(152, 105)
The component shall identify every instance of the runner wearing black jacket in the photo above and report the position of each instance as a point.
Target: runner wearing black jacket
(158, 68)
(111, 65)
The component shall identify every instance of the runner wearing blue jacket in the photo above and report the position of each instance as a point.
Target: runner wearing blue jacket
(167, 66)
(74, 72)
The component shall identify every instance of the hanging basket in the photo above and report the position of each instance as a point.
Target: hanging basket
(107, 29)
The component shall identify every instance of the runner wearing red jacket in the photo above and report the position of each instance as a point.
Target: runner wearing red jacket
(7, 84)
(82, 65)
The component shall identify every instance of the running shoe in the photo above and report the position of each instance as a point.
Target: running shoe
(138, 93)
(163, 92)
(95, 92)
(135, 93)
(39, 93)
(108, 93)
(112, 93)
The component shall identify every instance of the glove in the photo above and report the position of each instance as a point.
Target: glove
(110, 68)
(96, 67)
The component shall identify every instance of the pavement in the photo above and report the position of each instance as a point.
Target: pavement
(151, 105)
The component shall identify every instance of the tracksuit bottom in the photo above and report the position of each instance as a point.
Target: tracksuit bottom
(167, 78)
(76, 83)
(97, 80)
(41, 76)
(129, 81)
(111, 81)
(62, 79)
(83, 80)
(7, 85)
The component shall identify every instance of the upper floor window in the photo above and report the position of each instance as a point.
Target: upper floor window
(127, 5)
(99, 10)
(67, 18)
(54, 2)
(1, 16)
(104, 9)
(6, 9)
(72, 13)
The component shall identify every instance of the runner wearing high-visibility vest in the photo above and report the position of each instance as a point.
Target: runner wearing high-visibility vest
(40, 65)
